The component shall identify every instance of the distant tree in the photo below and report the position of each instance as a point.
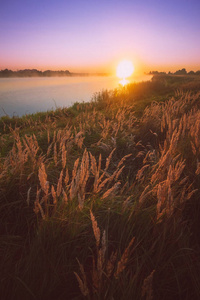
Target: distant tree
(197, 73)
(156, 73)
(181, 72)
(6, 73)
(153, 72)
(191, 73)
(33, 73)
(47, 73)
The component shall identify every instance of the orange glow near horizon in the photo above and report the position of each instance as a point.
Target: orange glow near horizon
(108, 67)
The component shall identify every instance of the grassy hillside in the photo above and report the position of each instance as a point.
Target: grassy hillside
(101, 200)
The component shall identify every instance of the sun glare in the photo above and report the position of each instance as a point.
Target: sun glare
(125, 69)
(124, 82)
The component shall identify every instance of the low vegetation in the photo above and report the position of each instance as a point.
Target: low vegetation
(101, 200)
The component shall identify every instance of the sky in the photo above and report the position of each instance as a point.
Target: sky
(94, 35)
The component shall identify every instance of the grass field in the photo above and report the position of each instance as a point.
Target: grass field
(101, 200)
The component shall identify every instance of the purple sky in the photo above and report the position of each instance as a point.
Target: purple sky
(91, 35)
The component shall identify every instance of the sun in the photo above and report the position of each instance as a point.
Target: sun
(125, 69)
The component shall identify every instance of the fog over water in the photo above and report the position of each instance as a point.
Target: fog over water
(21, 96)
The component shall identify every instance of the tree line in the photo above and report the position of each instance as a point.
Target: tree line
(178, 72)
(33, 73)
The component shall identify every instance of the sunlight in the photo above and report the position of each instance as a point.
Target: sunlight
(125, 69)
(123, 82)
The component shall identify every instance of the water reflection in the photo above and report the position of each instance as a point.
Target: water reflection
(124, 81)
(20, 96)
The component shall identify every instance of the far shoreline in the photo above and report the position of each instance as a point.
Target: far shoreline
(26, 73)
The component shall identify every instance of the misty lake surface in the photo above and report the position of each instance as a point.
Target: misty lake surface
(21, 96)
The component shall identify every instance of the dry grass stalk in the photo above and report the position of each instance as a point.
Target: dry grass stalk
(105, 126)
(54, 136)
(124, 188)
(37, 206)
(79, 138)
(126, 203)
(194, 150)
(59, 135)
(32, 148)
(124, 259)
(104, 147)
(66, 180)
(81, 201)
(80, 175)
(123, 159)
(55, 155)
(111, 264)
(144, 195)
(49, 149)
(95, 171)
(28, 196)
(19, 148)
(165, 160)
(140, 173)
(53, 193)
(190, 194)
(79, 179)
(59, 185)
(198, 168)
(18, 156)
(108, 159)
(169, 195)
(73, 187)
(95, 228)
(93, 165)
(84, 175)
(45, 187)
(48, 136)
(147, 288)
(103, 243)
(99, 268)
(74, 172)
(65, 198)
(82, 282)
(100, 182)
(43, 179)
(64, 156)
(111, 191)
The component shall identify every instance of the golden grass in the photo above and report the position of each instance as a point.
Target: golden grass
(130, 163)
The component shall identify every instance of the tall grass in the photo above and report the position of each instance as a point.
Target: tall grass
(101, 201)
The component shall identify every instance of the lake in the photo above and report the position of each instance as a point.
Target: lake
(21, 96)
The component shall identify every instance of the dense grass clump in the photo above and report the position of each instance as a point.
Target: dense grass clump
(101, 200)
